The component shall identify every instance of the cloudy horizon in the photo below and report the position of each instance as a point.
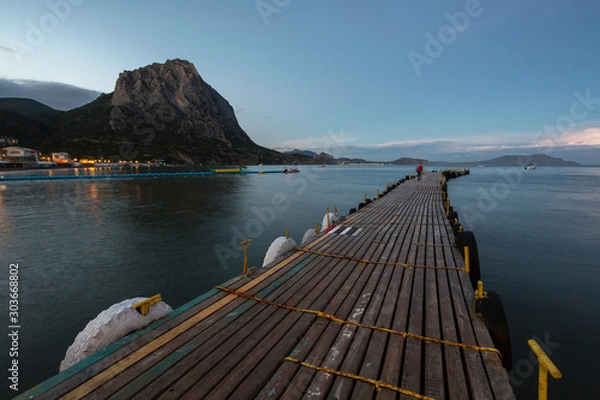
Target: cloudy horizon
(454, 79)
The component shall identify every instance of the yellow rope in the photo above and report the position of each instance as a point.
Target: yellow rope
(333, 318)
(362, 260)
(378, 384)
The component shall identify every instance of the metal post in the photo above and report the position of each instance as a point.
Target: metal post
(317, 228)
(467, 265)
(245, 243)
(365, 198)
(479, 293)
(287, 233)
(546, 365)
(377, 194)
(327, 213)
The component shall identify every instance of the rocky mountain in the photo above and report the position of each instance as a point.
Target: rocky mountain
(164, 111)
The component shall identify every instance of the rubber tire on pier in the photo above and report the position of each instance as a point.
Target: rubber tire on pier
(352, 211)
(491, 309)
(467, 238)
(452, 216)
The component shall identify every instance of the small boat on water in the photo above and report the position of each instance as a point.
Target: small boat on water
(530, 167)
(291, 171)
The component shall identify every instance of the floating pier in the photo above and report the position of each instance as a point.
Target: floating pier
(130, 176)
(379, 306)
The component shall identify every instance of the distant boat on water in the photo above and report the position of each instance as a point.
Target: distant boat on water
(530, 167)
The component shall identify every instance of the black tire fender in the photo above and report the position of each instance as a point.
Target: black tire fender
(467, 238)
(492, 311)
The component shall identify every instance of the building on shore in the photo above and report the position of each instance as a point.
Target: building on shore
(16, 154)
(61, 158)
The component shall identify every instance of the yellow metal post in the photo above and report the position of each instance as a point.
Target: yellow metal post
(447, 206)
(287, 233)
(365, 198)
(479, 293)
(335, 209)
(387, 187)
(327, 213)
(245, 243)
(467, 260)
(377, 194)
(317, 228)
(143, 307)
(546, 365)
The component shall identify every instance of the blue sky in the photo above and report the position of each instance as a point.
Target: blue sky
(337, 76)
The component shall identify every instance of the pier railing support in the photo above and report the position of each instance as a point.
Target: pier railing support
(143, 307)
(546, 365)
(467, 261)
(245, 243)
(479, 293)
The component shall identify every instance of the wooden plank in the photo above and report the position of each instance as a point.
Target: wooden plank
(433, 365)
(379, 340)
(412, 371)
(454, 368)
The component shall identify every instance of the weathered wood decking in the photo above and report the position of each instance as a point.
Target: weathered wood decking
(376, 308)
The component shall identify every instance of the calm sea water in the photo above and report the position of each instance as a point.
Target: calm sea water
(83, 245)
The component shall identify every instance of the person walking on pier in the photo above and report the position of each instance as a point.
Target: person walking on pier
(419, 171)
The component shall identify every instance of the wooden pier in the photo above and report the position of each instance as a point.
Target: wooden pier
(378, 307)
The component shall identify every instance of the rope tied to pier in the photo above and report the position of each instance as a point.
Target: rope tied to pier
(363, 260)
(321, 314)
(377, 383)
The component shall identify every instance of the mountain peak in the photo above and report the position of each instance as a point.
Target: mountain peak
(172, 98)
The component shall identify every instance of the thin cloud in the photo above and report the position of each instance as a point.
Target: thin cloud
(330, 142)
(60, 96)
(7, 50)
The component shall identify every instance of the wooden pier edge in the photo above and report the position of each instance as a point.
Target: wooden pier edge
(378, 307)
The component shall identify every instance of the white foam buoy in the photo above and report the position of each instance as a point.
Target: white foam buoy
(109, 326)
(277, 248)
(309, 236)
(332, 219)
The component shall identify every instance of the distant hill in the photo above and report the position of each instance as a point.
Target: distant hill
(409, 161)
(307, 153)
(26, 107)
(541, 160)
